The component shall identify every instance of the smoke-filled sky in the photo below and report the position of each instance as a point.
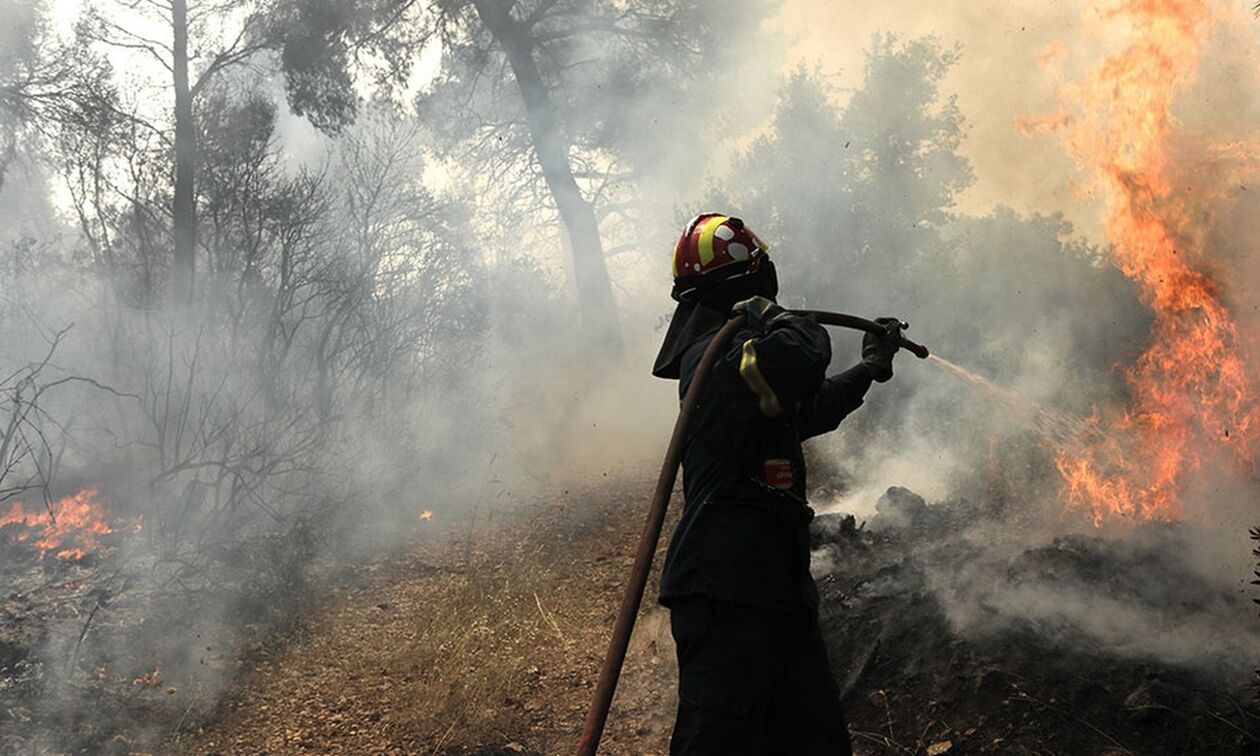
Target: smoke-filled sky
(1000, 79)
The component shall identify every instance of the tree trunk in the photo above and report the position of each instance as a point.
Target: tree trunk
(590, 274)
(184, 211)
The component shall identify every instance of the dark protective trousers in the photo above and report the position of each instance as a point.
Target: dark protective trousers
(753, 681)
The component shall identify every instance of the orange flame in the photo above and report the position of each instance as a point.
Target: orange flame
(149, 679)
(72, 529)
(1190, 391)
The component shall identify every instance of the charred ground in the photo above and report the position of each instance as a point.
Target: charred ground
(1036, 684)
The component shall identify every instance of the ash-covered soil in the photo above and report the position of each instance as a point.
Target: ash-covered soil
(98, 657)
(956, 633)
(114, 652)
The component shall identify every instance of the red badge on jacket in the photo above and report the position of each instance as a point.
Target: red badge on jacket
(779, 473)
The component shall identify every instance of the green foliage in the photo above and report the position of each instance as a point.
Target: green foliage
(325, 46)
(906, 138)
(858, 201)
(1020, 280)
(314, 40)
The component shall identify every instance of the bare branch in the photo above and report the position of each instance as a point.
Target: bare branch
(137, 37)
(539, 13)
(235, 53)
(132, 41)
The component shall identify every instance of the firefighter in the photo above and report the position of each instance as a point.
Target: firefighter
(754, 677)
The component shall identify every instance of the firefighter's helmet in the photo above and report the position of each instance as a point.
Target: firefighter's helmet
(713, 249)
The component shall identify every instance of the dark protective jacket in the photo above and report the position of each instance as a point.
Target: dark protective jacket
(744, 532)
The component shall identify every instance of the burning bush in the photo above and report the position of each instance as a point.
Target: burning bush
(1191, 392)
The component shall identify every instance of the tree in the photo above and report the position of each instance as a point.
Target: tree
(519, 41)
(538, 93)
(905, 136)
(858, 198)
(118, 28)
(184, 211)
(857, 194)
(44, 84)
(532, 96)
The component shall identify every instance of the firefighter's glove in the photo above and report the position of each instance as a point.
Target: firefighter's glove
(878, 348)
(759, 312)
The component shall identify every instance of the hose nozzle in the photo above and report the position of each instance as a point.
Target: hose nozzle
(862, 324)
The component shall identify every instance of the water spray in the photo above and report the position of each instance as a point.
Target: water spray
(597, 714)
(1062, 428)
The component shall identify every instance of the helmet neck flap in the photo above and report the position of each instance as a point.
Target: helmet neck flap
(704, 306)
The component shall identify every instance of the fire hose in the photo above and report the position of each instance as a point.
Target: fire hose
(597, 714)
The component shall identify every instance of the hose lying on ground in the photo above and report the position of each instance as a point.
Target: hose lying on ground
(597, 714)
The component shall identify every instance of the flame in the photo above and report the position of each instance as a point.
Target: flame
(149, 679)
(1190, 391)
(426, 515)
(72, 529)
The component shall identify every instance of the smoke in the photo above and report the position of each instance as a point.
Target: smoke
(1133, 598)
(388, 321)
(1033, 303)
(997, 81)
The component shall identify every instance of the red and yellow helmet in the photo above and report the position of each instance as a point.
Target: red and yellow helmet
(714, 242)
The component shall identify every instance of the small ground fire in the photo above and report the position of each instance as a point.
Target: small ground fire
(70, 528)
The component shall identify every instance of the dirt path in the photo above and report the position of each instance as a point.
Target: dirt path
(486, 639)
(481, 640)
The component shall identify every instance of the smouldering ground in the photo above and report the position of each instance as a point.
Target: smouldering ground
(487, 635)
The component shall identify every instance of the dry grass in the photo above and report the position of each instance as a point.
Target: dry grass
(471, 661)
(478, 637)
